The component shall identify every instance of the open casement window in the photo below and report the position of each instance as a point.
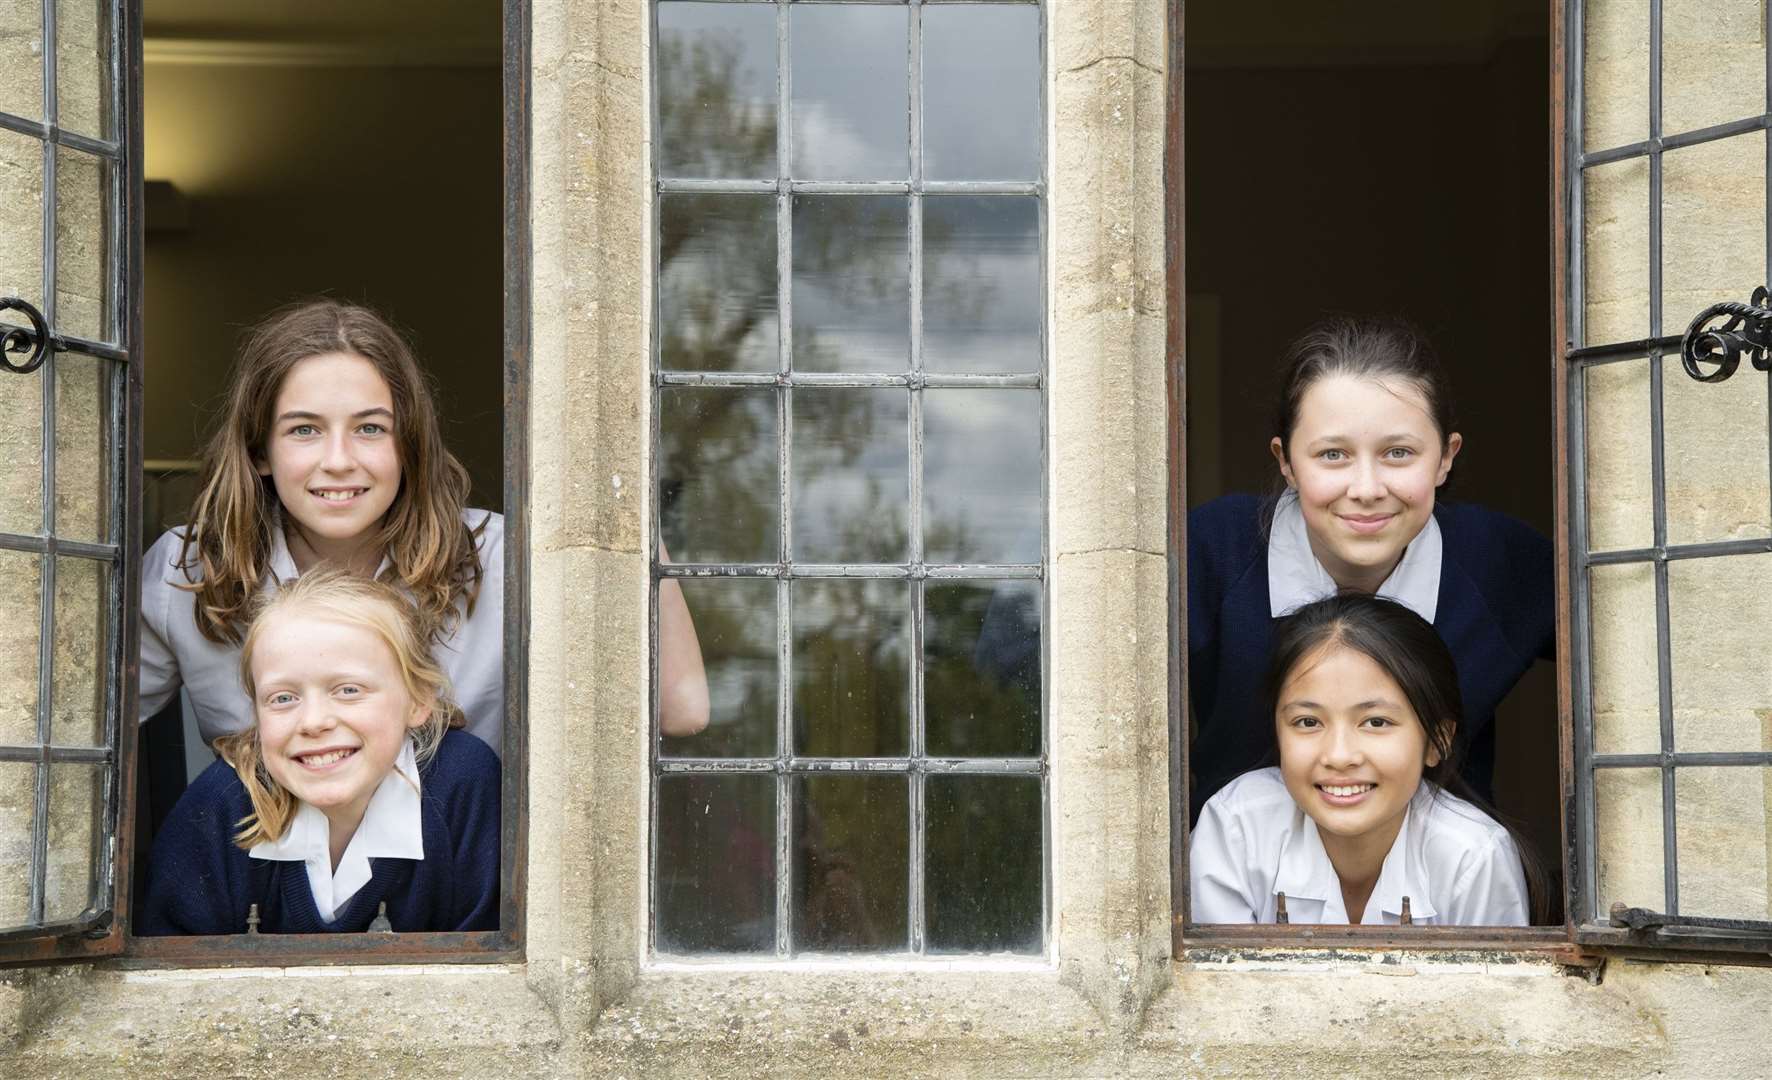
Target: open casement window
(70, 408)
(850, 402)
(1669, 502)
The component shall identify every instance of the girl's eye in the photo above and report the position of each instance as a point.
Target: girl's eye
(281, 698)
(304, 430)
(1380, 722)
(372, 429)
(1306, 722)
(1399, 453)
(349, 690)
(1333, 455)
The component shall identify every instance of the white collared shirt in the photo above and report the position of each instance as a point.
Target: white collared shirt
(174, 652)
(1295, 577)
(392, 828)
(1457, 865)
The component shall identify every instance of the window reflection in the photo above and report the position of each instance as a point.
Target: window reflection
(851, 657)
(851, 92)
(716, 89)
(981, 283)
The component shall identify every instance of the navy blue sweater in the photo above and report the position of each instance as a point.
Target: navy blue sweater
(1497, 613)
(201, 882)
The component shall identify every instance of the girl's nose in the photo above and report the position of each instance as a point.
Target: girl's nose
(316, 717)
(1342, 749)
(1365, 483)
(338, 453)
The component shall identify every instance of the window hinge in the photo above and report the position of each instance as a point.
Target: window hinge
(1746, 328)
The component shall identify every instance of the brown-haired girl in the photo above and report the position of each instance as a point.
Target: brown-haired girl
(1364, 437)
(348, 797)
(329, 452)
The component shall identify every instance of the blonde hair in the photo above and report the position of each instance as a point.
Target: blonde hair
(338, 596)
(227, 546)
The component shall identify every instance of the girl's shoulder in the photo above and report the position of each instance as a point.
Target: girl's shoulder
(487, 527)
(1473, 530)
(1451, 822)
(162, 561)
(1254, 793)
(461, 760)
(1226, 519)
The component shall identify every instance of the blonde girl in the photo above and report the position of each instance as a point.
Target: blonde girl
(349, 796)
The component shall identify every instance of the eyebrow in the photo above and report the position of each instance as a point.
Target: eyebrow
(298, 414)
(1374, 703)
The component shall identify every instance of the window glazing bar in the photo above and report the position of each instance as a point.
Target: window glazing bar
(51, 545)
(1696, 137)
(850, 187)
(43, 755)
(1675, 552)
(912, 379)
(1593, 355)
(916, 919)
(1693, 759)
(53, 133)
(887, 571)
(806, 765)
(784, 429)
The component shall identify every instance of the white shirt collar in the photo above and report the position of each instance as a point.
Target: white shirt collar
(1295, 577)
(392, 828)
(283, 563)
(1305, 872)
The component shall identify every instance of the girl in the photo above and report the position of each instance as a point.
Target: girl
(348, 795)
(329, 451)
(1363, 437)
(1360, 822)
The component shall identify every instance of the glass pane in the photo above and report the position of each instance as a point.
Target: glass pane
(1627, 840)
(1724, 829)
(1627, 692)
(981, 668)
(852, 646)
(851, 475)
(21, 219)
(981, 283)
(82, 259)
(981, 476)
(82, 610)
(83, 451)
(716, 864)
(83, 66)
(983, 872)
(852, 283)
(851, 96)
(735, 624)
(1615, 245)
(1713, 62)
(18, 806)
(21, 606)
(851, 863)
(1620, 479)
(21, 447)
(76, 814)
(716, 282)
(981, 93)
(1716, 455)
(716, 90)
(1713, 225)
(21, 56)
(717, 474)
(1615, 95)
(1722, 693)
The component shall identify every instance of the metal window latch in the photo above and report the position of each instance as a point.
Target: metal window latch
(1744, 328)
(380, 924)
(1406, 919)
(252, 919)
(1639, 920)
(18, 339)
(1280, 908)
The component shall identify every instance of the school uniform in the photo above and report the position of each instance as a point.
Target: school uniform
(174, 652)
(1483, 579)
(1456, 865)
(428, 847)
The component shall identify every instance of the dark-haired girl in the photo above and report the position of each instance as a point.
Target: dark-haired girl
(1364, 438)
(1365, 819)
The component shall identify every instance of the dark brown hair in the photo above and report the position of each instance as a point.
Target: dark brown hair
(1383, 350)
(1411, 652)
(227, 545)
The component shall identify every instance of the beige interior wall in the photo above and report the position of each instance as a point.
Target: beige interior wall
(1713, 210)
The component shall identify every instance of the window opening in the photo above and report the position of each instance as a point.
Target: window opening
(849, 414)
(1668, 532)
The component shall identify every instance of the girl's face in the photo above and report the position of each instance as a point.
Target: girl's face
(1365, 458)
(332, 710)
(1351, 748)
(331, 453)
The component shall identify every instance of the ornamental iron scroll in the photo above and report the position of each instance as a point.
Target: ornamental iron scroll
(1744, 328)
(19, 339)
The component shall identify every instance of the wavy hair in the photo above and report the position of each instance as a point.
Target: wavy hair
(227, 545)
(337, 596)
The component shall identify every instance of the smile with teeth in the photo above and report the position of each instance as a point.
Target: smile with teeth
(339, 494)
(1346, 790)
(320, 761)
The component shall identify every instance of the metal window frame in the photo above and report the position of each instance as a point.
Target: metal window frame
(1196, 939)
(1577, 356)
(785, 765)
(97, 930)
(506, 944)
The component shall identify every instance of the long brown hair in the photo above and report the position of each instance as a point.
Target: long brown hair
(227, 545)
(336, 596)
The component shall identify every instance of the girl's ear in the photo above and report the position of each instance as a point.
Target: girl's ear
(1433, 752)
(421, 712)
(1454, 442)
(1279, 453)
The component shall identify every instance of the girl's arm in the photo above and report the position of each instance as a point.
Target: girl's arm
(1491, 888)
(160, 677)
(682, 679)
(194, 885)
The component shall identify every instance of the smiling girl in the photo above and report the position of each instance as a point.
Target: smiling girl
(1366, 819)
(349, 795)
(1364, 438)
(330, 452)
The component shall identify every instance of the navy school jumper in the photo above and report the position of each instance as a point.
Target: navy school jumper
(1497, 613)
(201, 882)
